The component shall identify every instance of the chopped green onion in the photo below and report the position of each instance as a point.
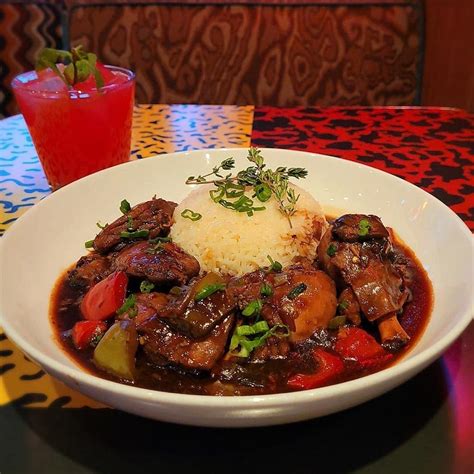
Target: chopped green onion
(188, 214)
(296, 291)
(96, 338)
(243, 204)
(257, 328)
(253, 308)
(146, 286)
(364, 227)
(157, 240)
(217, 194)
(157, 244)
(331, 251)
(89, 244)
(176, 291)
(266, 290)
(135, 234)
(263, 192)
(343, 305)
(248, 345)
(208, 291)
(125, 206)
(129, 223)
(234, 190)
(129, 306)
(274, 265)
(100, 226)
(337, 322)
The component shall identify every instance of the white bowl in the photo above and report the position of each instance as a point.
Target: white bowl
(51, 236)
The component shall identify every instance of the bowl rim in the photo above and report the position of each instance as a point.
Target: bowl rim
(282, 400)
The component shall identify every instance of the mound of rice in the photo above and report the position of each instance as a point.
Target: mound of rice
(232, 242)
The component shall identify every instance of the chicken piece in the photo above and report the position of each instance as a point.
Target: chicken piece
(163, 345)
(348, 306)
(196, 319)
(379, 289)
(302, 311)
(361, 257)
(89, 270)
(146, 306)
(274, 348)
(349, 228)
(155, 216)
(168, 265)
(305, 302)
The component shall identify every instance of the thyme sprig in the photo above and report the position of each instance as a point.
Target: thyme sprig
(264, 181)
(225, 165)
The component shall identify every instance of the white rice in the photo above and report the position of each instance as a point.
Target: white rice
(231, 242)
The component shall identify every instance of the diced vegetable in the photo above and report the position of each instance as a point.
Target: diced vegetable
(275, 266)
(146, 286)
(329, 367)
(129, 307)
(355, 343)
(297, 290)
(105, 298)
(337, 322)
(207, 285)
(266, 290)
(115, 352)
(87, 333)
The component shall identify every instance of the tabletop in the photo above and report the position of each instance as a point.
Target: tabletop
(425, 425)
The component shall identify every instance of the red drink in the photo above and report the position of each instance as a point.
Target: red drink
(80, 130)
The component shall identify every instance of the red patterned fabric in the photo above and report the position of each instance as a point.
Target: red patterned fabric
(430, 147)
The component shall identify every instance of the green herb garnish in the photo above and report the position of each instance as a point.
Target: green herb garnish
(101, 226)
(331, 251)
(337, 322)
(208, 291)
(263, 192)
(89, 244)
(129, 306)
(257, 328)
(125, 207)
(188, 214)
(79, 65)
(227, 164)
(253, 308)
(265, 183)
(343, 305)
(146, 286)
(96, 338)
(296, 291)
(274, 265)
(364, 227)
(241, 338)
(137, 234)
(157, 244)
(266, 290)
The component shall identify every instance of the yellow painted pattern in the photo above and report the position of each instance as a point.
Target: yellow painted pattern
(156, 129)
(169, 128)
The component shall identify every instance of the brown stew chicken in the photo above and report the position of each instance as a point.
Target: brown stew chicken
(138, 310)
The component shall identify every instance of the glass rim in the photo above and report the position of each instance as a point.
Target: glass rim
(16, 84)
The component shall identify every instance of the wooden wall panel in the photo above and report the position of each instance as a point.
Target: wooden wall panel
(448, 78)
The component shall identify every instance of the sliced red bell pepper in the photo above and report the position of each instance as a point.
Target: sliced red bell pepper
(355, 343)
(105, 298)
(85, 332)
(330, 365)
